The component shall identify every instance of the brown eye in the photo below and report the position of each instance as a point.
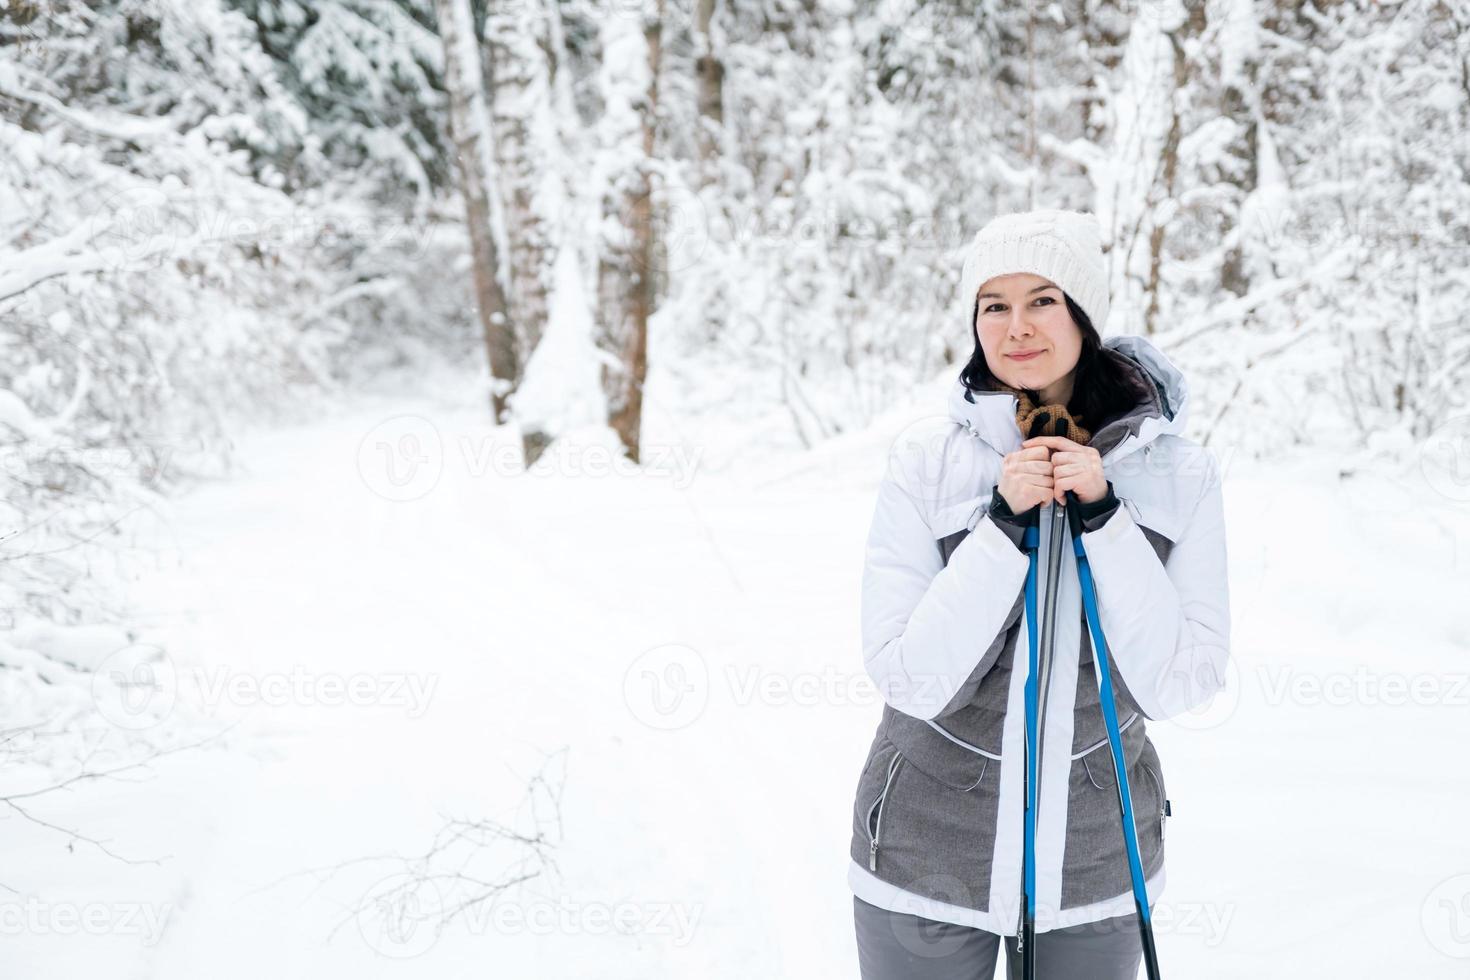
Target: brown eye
(1047, 298)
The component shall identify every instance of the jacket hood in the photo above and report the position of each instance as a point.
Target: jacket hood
(991, 415)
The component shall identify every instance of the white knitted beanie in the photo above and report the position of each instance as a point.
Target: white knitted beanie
(1063, 246)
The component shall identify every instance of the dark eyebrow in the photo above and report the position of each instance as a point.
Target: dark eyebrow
(1028, 292)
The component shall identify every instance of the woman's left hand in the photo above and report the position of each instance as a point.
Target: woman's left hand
(1073, 467)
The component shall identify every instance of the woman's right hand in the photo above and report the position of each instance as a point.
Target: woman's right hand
(1026, 478)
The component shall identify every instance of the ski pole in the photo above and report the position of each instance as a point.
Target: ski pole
(1101, 663)
(1036, 696)
(1026, 942)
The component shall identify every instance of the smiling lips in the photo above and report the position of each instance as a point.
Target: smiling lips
(1024, 355)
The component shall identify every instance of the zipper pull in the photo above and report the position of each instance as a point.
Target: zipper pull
(873, 855)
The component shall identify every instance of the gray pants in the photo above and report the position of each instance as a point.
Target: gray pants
(902, 946)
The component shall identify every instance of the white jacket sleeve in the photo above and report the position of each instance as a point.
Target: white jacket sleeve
(926, 625)
(1167, 624)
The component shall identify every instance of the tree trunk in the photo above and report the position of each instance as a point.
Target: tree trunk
(1167, 187)
(628, 260)
(517, 78)
(710, 78)
(469, 127)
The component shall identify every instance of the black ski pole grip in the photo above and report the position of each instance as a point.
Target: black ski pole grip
(1038, 428)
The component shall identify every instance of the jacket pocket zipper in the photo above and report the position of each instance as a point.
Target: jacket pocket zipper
(1163, 803)
(987, 756)
(878, 807)
(1104, 740)
(961, 742)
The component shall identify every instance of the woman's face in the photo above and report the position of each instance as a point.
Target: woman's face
(1022, 313)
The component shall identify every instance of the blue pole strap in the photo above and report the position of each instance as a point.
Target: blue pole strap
(1110, 720)
(1030, 540)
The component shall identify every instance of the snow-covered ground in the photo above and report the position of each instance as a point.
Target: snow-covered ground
(677, 653)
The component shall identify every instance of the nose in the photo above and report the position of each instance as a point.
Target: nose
(1018, 325)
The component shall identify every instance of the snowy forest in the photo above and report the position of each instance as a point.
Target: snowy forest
(387, 385)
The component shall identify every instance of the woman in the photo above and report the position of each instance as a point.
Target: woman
(937, 818)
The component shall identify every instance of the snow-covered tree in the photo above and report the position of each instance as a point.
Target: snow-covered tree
(625, 176)
(367, 76)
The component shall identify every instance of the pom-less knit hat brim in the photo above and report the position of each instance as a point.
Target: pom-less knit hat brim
(1062, 246)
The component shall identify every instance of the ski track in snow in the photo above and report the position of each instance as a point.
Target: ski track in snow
(1313, 835)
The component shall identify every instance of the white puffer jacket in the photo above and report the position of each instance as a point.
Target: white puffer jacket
(937, 819)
